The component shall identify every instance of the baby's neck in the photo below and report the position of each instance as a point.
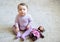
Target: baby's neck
(22, 15)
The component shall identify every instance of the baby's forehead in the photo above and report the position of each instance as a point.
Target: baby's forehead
(21, 6)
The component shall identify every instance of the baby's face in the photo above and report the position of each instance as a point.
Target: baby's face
(22, 10)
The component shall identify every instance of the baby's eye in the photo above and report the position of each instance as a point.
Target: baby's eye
(20, 9)
(23, 9)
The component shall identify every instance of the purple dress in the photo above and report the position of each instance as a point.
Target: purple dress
(22, 22)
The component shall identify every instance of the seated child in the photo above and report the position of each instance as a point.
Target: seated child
(36, 33)
(22, 22)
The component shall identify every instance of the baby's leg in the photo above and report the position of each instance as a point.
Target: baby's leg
(26, 33)
(16, 31)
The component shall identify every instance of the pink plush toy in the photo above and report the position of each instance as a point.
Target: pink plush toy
(37, 33)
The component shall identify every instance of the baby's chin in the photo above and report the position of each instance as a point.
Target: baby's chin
(22, 14)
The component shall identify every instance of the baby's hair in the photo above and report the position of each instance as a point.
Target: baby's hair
(23, 4)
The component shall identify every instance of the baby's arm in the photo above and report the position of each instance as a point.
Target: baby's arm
(16, 27)
(16, 22)
(29, 22)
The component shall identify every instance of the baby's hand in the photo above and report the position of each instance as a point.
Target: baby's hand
(27, 27)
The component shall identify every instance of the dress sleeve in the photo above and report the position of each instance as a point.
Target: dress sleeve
(30, 20)
(16, 21)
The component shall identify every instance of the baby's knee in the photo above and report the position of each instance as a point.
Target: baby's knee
(15, 30)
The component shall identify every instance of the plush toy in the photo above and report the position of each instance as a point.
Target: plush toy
(37, 33)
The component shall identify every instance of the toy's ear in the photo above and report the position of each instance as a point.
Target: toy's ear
(39, 28)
